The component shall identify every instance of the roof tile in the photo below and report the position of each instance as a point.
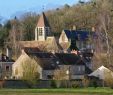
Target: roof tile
(43, 22)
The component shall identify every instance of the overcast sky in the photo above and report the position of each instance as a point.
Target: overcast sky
(11, 7)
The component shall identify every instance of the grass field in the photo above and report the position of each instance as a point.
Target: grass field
(78, 91)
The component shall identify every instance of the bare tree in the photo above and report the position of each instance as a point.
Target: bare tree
(30, 71)
(14, 36)
(85, 82)
(104, 22)
(109, 78)
(59, 75)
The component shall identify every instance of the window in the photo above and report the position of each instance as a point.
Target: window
(50, 76)
(40, 32)
(7, 68)
(83, 68)
(47, 31)
(79, 68)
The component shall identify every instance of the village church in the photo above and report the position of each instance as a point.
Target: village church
(54, 54)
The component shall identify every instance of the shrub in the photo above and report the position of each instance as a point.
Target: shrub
(85, 82)
(53, 84)
(109, 82)
(76, 84)
(109, 79)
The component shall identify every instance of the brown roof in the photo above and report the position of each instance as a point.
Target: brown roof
(31, 49)
(41, 45)
(49, 45)
(43, 22)
(31, 43)
(52, 44)
(48, 61)
(69, 59)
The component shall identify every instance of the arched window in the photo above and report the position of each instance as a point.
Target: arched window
(40, 32)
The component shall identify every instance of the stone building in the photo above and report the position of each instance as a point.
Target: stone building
(5, 67)
(44, 40)
(55, 54)
(68, 41)
(78, 39)
(42, 30)
(73, 65)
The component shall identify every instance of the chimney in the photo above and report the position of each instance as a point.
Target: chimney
(93, 29)
(8, 52)
(23, 51)
(74, 27)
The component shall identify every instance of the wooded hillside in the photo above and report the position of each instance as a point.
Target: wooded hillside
(95, 13)
(83, 15)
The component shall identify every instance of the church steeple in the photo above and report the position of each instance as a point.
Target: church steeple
(43, 22)
(42, 30)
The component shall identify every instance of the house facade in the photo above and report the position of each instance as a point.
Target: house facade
(6, 70)
(5, 67)
(79, 39)
(18, 66)
(72, 64)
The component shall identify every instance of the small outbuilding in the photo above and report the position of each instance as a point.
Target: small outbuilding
(101, 73)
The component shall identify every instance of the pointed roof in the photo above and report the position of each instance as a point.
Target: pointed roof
(101, 72)
(52, 44)
(43, 22)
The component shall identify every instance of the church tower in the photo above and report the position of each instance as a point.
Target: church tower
(42, 30)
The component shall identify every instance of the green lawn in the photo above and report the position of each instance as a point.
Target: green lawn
(78, 91)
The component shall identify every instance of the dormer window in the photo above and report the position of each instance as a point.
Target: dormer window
(40, 32)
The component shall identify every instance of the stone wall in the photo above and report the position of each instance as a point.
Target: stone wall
(23, 84)
(44, 84)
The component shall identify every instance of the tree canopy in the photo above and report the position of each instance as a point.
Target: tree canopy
(84, 15)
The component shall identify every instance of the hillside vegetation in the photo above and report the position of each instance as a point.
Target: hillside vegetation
(95, 13)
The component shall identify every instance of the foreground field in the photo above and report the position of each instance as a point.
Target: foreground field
(82, 91)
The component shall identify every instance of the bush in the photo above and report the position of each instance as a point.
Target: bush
(85, 82)
(66, 84)
(94, 83)
(75, 84)
(109, 79)
(109, 82)
(53, 84)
